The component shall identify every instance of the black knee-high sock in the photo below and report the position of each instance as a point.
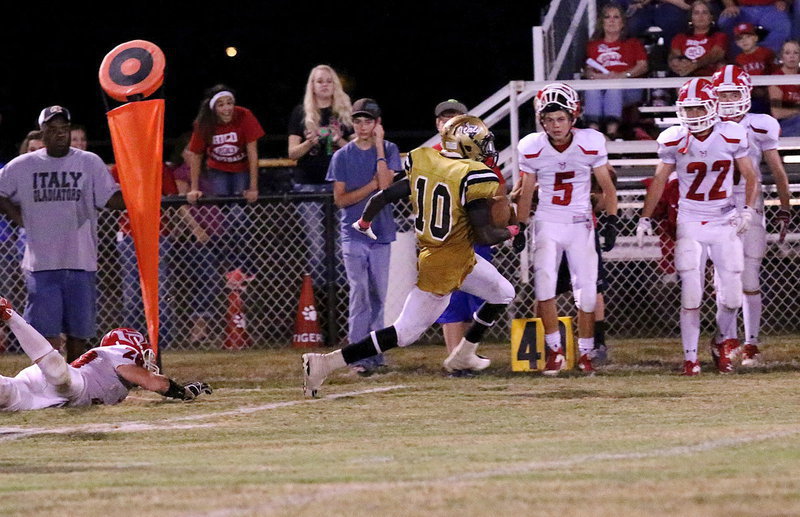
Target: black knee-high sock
(483, 318)
(599, 333)
(386, 338)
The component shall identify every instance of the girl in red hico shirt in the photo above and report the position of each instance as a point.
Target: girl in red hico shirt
(227, 135)
(701, 50)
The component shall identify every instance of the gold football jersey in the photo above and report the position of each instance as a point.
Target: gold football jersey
(440, 189)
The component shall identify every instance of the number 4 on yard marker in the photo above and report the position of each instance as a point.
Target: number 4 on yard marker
(527, 344)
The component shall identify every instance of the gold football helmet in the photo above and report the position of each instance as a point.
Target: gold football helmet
(468, 137)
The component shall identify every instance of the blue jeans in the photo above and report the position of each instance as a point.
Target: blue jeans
(367, 266)
(670, 18)
(604, 104)
(768, 16)
(790, 126)
(62, 300)
(132, 303)
(312, 217)
(228, 183)
(234, 251)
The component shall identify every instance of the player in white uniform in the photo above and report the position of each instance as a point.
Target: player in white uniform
(103, 375)
(733, 87)
(704, 152)
(562, 160)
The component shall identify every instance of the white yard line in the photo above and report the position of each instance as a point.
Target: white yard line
(327, 491)
(15, 433)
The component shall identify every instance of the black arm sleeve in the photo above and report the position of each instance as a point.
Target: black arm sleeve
(481, 221)
(394, 192)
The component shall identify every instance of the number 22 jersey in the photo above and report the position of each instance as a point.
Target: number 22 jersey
(705, 170)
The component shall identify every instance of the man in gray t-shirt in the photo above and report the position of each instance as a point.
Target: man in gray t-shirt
(55, 193)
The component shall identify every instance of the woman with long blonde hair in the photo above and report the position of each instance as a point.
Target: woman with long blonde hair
(318, 127)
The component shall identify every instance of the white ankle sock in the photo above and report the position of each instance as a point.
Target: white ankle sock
(751, 312)
(553, 340)
(690, 333)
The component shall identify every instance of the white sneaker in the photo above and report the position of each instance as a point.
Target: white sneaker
(315, 370)
(463, 357)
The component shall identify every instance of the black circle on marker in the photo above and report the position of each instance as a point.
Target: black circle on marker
(115, 68)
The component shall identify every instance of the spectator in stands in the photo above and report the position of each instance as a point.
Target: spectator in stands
(771, 14)
(317, 128)
(197, 235)
(611, 54)
(785, 99)
(227, 135)
(669, 15)
(132, 303)
(32, 142)
(358, 170)
(78, 138)
(457, 317)
(755, 60)
(701, 49)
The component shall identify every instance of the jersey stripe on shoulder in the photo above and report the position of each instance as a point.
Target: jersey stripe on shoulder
(759, 130)
(473, 178)
(673, 144)
(534, 155)
(591, 152)
(731, 140)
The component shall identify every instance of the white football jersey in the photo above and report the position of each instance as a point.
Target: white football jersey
(705, 168)
(762, 132)
(564, 177)
(98, 367)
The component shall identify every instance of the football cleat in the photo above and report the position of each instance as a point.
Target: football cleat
(463, 357)
(5, 309)
(555, 362)
(315, 370)
(751, 356)
(724, 353)
(585, 364)
(690, 369)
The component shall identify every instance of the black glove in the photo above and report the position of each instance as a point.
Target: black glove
(519, 240)
(610, 230)
(193, 389)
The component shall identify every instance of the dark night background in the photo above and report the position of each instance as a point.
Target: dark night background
(408, 56)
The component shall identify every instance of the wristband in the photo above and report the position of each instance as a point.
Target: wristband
(381, 160)
(175, 391)
(364, 224)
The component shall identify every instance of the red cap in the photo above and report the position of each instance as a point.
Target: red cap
(744, 28)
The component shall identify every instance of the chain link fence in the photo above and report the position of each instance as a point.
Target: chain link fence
(279, 238)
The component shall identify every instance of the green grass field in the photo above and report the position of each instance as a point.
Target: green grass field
(637, 439)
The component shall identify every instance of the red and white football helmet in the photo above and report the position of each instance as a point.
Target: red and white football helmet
(698, 92)
(560, 94)
(731, 78)
(133, 339)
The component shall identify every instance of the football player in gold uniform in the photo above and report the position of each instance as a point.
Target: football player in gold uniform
(449, 192)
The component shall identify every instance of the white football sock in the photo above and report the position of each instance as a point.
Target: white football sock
(553, 340)
(56, 372)
(751, 312)
(690, 333)
(727, 324)
(33, 344)
(585, 345)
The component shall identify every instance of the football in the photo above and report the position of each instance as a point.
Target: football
(501, 211)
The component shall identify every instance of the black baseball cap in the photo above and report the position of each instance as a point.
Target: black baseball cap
(366, 108)
(50, 112)
(450, 105)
